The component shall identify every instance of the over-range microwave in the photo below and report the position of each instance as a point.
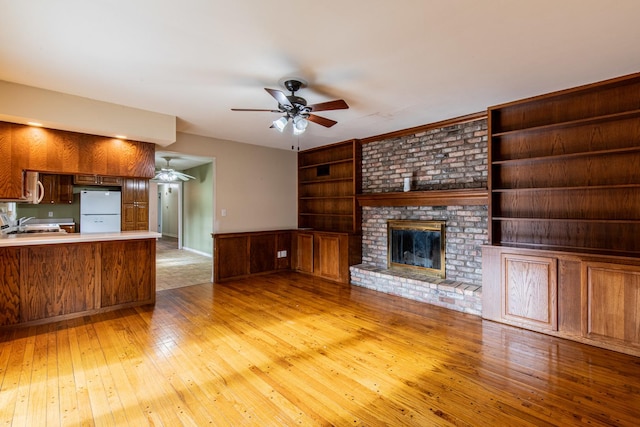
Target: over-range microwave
(32, 189)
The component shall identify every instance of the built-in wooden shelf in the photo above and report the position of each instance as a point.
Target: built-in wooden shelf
(463, 197)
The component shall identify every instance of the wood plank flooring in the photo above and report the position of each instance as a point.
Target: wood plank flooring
(288, 349)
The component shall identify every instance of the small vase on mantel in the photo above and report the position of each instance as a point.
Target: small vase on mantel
(407, 183)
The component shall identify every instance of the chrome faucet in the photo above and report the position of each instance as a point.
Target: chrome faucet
(22, 221)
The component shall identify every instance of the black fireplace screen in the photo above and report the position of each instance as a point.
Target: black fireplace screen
(417, 245)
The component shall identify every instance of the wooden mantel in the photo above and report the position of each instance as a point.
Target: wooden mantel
(463, 197)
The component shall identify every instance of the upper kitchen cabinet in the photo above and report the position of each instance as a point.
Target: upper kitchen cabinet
(47, 150)
(58, 189)
(11, 176)
(109, 181)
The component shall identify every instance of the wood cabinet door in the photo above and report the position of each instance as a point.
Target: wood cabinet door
(128, 271)
(304, 252)
(65, 188)
(50, 185)
(328, 256)
(135, 204)
(85, 179)
(142, 216)
(53, 282)
(232, 257)
(529, 291)
(611, 302)
(10, 172)
(9, 285)
(57, 188)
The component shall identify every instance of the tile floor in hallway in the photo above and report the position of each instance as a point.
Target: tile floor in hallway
(176, 268)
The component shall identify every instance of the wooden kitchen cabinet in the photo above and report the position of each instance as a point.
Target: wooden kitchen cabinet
(69, 228)
(9, 286)
(44, 283)
(58, 189)
(135, 204)
(109, 181)
(128, 272)
(54, 283)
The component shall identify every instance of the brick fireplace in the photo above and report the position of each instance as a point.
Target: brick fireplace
(448, 169)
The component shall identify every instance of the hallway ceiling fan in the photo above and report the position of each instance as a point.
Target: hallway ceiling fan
(295, 108)
(167, 174)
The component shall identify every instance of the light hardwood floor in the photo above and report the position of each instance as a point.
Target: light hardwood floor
(288, 349)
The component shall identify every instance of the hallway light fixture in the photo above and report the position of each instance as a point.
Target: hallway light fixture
(168, 174)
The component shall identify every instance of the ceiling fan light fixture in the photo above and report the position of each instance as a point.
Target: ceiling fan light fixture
(168, 174)
(300, 123)
(281, 123)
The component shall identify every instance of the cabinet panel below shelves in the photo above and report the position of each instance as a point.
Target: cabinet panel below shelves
(613, 302)
(529, 290)
(594, 299)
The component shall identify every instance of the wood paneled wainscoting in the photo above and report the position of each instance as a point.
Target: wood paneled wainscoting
(291, 349)
(325, 254)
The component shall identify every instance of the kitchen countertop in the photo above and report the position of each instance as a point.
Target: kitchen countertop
(59, 221)
(29, 239)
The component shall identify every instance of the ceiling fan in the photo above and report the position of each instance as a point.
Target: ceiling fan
(168, 174)
(295, 108)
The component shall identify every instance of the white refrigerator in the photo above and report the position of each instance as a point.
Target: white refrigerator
(99, 211)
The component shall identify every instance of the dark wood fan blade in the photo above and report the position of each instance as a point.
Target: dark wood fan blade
(279, 96)
(338, 104)
(321, 120)
(253, 109)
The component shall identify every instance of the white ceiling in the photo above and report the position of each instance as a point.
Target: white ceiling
(398, 64)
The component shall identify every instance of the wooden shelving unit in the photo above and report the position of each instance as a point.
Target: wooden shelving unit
(328, 180)
(565, 170)
(564, 214)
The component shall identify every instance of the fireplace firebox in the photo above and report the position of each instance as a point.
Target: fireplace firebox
(417, 245)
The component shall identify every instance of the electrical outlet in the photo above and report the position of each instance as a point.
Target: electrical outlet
(50, 214)
(223, 212)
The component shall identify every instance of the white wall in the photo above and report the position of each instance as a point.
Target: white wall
(56, 110)
(170, 205)
(257, 186)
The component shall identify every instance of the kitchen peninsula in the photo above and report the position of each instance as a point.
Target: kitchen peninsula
(50, 277)
(46, 278)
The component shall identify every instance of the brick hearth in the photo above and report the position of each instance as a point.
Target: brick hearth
(450, 294)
